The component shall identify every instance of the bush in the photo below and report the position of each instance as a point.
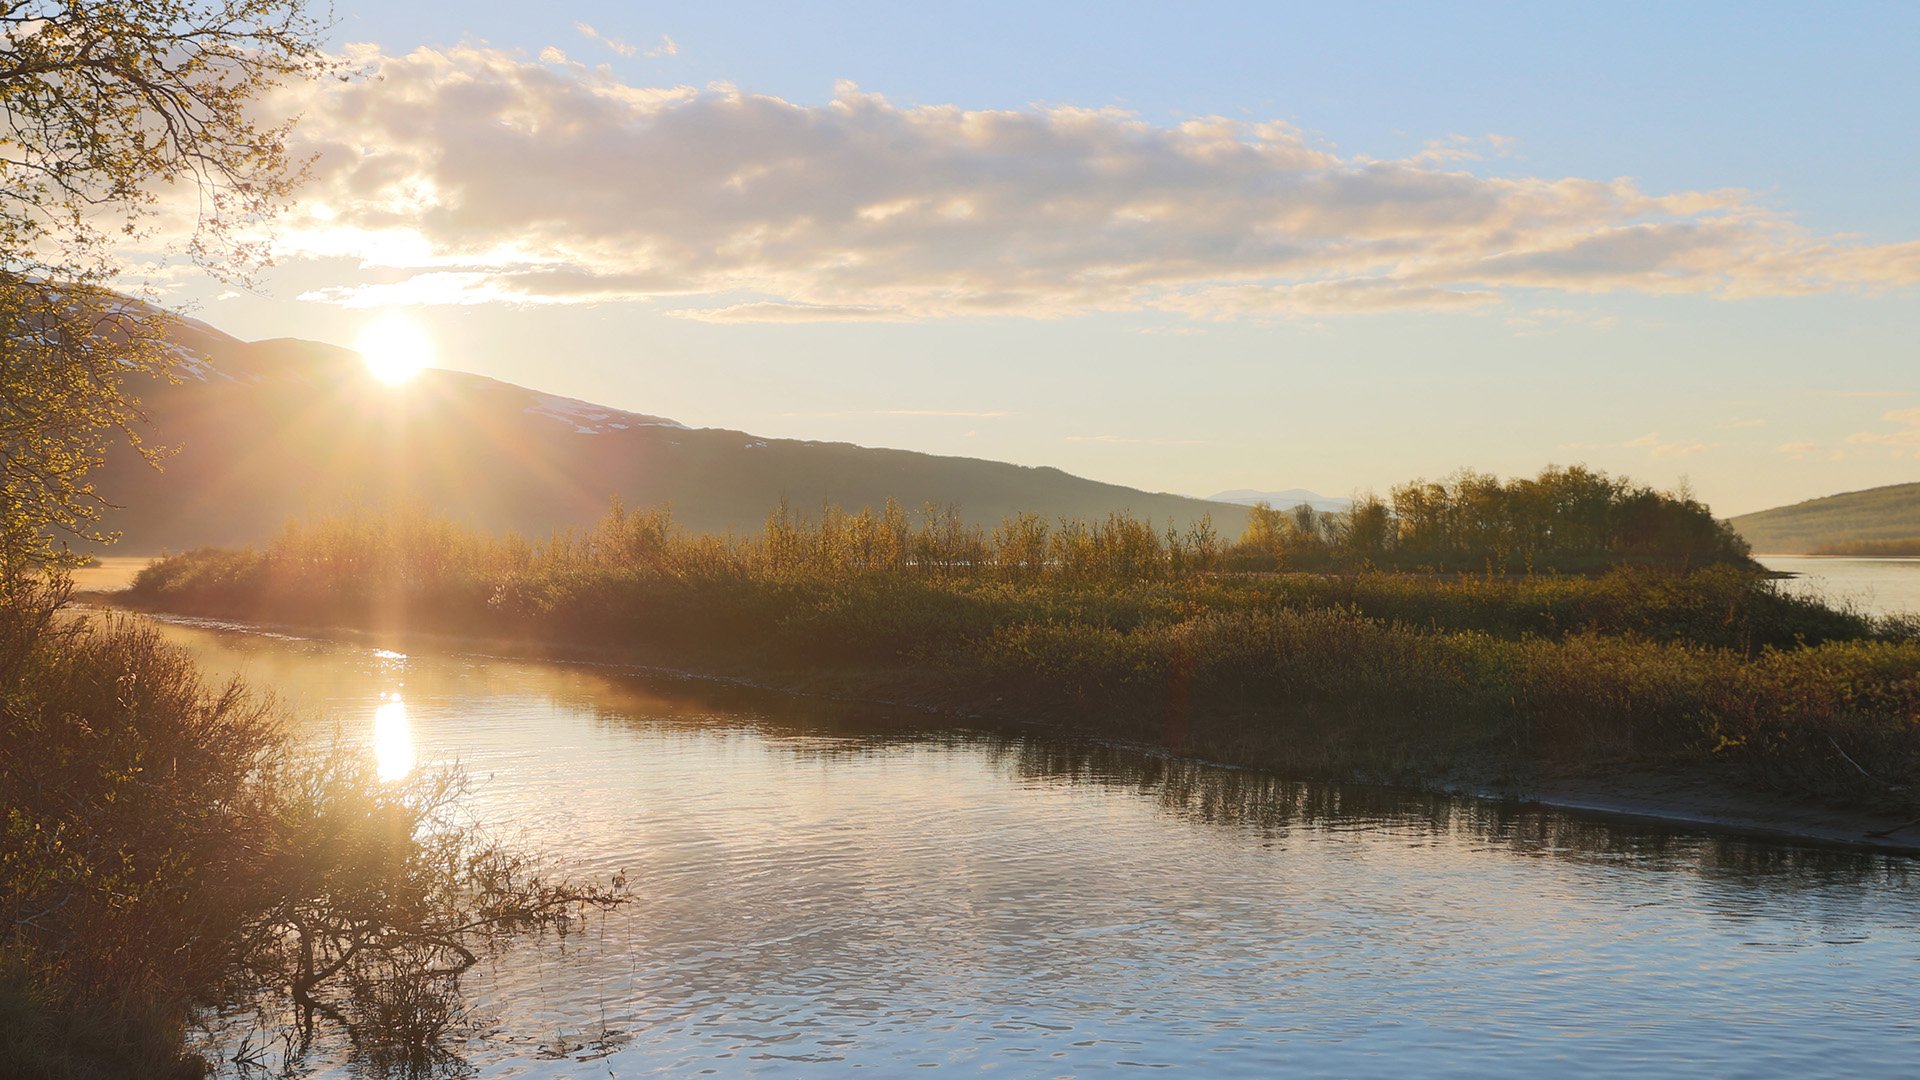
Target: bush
(1325, 673)
(168, 847)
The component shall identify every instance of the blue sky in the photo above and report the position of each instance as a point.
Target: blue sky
(1742, 312)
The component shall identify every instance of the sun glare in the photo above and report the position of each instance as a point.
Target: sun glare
(392, 739)
(396, 348)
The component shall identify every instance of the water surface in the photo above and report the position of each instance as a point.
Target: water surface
(1874, 586)
(822, 891)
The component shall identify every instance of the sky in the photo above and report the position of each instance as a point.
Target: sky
(1184, 247)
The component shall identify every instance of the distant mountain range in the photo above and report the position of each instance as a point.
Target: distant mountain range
(1882, 517)
(1282, 500)
(269, 430)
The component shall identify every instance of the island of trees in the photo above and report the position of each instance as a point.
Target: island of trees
(1470, 630)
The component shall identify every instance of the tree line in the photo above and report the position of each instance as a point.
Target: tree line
(1563, 519)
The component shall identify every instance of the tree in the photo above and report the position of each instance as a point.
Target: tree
(116, 115)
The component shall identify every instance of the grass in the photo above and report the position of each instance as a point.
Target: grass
(1119, 629)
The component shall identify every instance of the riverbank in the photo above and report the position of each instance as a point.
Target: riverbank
(1498, 681)
(1678, 797)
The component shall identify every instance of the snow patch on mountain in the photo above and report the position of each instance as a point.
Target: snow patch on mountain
(189, 364)
(586, 418)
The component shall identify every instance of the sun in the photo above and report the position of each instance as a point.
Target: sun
(396, 347)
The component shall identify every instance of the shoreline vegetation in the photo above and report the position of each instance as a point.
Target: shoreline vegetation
(1602, 630)
(171, 853)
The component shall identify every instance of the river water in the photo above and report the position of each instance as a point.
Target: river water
(822, 890)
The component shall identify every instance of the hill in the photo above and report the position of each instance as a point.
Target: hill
(1880, 520)
(267, 430)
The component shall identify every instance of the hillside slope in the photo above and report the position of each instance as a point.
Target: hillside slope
(1884, 514)
(268, 430)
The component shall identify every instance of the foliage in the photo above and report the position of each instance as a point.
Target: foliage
(62, 406)
(1134, 632)
(109, 111)
(1563, 518)
(1572, 520)
(167, 847)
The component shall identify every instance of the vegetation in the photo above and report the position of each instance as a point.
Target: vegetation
(1147, 633)
(1837, 523)
(111, 109)
(1571, 519)
(167, 847)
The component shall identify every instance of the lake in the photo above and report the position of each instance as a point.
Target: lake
(822, 889)
(1874, 586)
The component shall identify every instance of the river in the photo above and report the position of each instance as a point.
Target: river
(822, 889)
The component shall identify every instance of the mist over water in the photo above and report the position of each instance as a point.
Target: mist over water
(821, 888)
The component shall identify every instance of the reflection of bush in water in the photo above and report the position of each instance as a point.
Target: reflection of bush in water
(1249, 799)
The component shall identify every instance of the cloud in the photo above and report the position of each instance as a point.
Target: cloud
(1797, 450)
(473, 175)
(1905, 439)
(1462, 148)
(667, 47)
(1659, 449)
(613, 43)
(1744, 422)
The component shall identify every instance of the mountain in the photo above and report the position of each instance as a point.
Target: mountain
(1882, 517)
(267, 430)
(1282, 500)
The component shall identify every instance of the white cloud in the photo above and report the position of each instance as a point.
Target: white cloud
(667, 47)
(1799, 450)
(483, 177)
(613, 43)
(1905, 439)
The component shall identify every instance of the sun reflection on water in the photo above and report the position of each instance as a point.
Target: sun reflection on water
(392, 739)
